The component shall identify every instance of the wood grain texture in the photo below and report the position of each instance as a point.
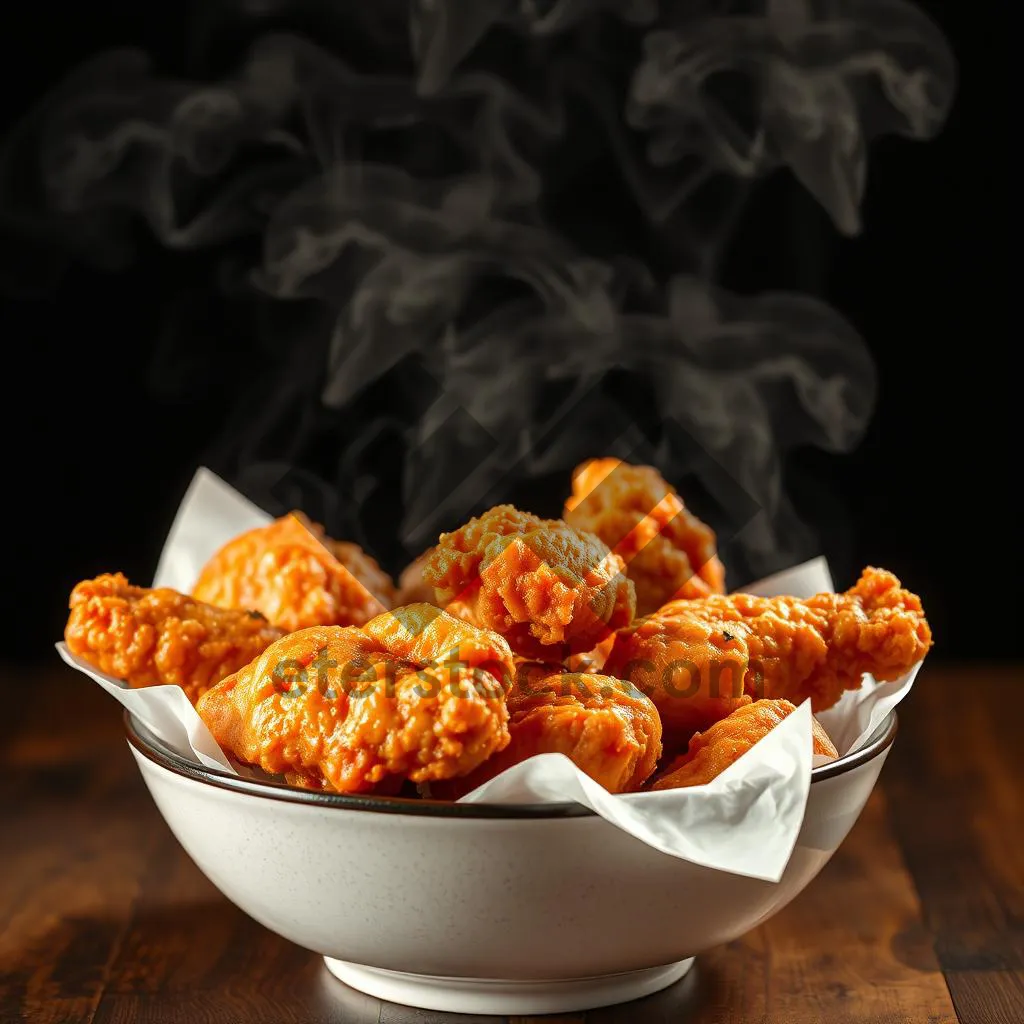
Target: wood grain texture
(917, 918)
(954, 784)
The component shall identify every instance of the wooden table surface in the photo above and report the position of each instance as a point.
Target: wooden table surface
(917, 918)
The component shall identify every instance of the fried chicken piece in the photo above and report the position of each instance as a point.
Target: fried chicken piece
(412, 588)
(696, 659)
(669, 553)
(414, 693)
(711, 752)
(549, 589)
(152, 636)
(607, 728)
(296, 576)
(691, 668)
(425, 635)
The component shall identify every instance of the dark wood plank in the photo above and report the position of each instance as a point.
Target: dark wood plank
(852, 948)
(576, 1018)
(73, 855)
(190, 955)
(233, 1005)
(693, 999)
(390, 1013)
(953, 783)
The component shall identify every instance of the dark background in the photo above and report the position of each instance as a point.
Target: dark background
(96, 462)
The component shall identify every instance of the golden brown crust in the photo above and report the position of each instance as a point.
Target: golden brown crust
(296, 577)
(711, 752)
(607, 728)
(415, 694)
(424, 635)
(549, 589)
(149, 637)
(691, 668)
(779, 647)
(669, 553)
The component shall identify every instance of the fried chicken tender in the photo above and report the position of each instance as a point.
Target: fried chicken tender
(697, 659)
(296, 576)
(151, 636)
(607, 728)
(711, 752)
(549, 589)
(669, 553)
(414, 693)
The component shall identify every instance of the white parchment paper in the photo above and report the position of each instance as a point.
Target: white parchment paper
(164, 710)
(744, 822)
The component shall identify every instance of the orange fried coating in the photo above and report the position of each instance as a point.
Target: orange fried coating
(607, 728)
(296, 576)
(549, 589)
(696, 659)
(414, 693)
(148, 637)
(692, 669)
(669, 553)
(711, 752)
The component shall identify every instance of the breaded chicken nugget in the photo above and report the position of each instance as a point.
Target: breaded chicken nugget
(549, 589)
(148, 637)
(669, 553)
(414, 693)
(296, 576)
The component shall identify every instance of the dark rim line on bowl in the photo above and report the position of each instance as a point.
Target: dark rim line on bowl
(156, 752)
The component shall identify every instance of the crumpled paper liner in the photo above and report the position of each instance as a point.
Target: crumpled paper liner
(743, 822)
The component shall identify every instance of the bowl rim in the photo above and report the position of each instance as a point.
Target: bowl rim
(153, 750)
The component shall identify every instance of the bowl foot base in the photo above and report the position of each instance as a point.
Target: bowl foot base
(505, 998)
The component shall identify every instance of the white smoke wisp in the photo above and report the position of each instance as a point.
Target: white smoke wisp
(744, 381)
(128, 141)
(409, 253)
(826, 77)
(481, 240)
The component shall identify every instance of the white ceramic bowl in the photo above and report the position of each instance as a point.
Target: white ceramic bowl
(476, 908)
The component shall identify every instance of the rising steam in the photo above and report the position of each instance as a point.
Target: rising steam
(408, 185)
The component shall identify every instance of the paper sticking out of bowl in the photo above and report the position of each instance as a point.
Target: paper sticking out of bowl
(744, 822)
(165, 711)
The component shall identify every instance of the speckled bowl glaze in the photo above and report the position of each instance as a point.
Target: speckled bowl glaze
(477, 908)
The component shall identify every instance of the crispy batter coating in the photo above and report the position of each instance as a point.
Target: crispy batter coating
(412, 588)
(549, 589)
(691, 668)
(696, 659)
(606, 727)
(148, 637)
(296, 577)
(414, 693)
(711, 752)
(425, 635)
(669, 553)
